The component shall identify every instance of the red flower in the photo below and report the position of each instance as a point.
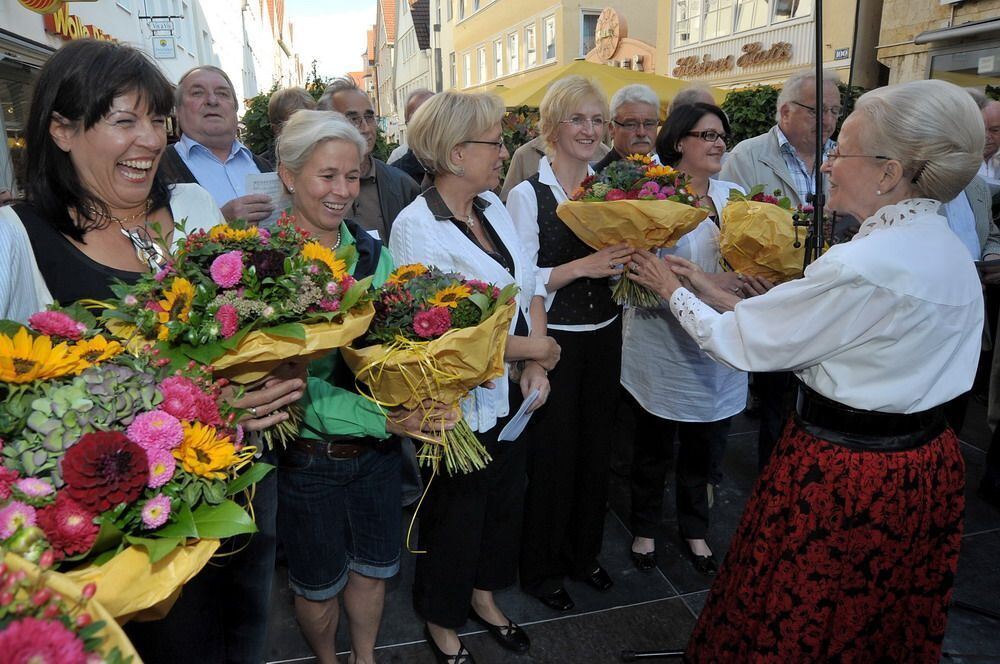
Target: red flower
(228, 319)
(34, 640)
(180, 397)
(615, 195)
(432, 323)
(68, 527)
(7, 477)
(207, 410)
(104, 469)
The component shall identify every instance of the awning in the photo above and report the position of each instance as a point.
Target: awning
(970, 29)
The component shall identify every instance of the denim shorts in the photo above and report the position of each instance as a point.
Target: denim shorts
(336, 515)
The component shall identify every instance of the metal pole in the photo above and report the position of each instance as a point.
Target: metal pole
(814, 247)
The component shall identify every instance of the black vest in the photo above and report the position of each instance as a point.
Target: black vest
(585, 301)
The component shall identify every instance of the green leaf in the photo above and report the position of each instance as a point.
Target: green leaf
(482, 301)
(354, 294)
(255, 474)
(10, 327)
(155, 548)
(182, 524)
(289, 330)
(223, 520)
(109, 536)
(202, 353)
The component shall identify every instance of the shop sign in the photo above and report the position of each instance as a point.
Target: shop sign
(42, 6)
(69, 26)
(692, 66)
(164, 48)
(754, 54)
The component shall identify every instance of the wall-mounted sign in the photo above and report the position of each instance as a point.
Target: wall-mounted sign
(161, 26)
(69, 26)
(842, 54)
(42, 6)
(164, 48)
(611, 29)
(754, 54)
(986, 64)
(692, 66)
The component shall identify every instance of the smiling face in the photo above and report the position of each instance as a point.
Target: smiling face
(702, 158)
(637, 141)
(207, 112)
(482, 162)
(855, 181)
(579, 141)
(117, 157)
(325, 188)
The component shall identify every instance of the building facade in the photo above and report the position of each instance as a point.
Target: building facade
(385, 44)
(413, 59)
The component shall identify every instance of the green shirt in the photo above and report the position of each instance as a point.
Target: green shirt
(334, 410)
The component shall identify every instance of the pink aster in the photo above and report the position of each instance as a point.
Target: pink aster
(57, 324)
(155, 429)
(44, 641)
(156, 511)
(227, 269)
(330, 304)
(162, 465)
(228, 319)
(14, 516)
(32, 487)
(180, 397)
(477, 285)
(432, 323)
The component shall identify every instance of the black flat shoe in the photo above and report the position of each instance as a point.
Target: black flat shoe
(463, 656)
(599, 579)
(558, 599)
(644, 562)
(705, 565)
(510, 636)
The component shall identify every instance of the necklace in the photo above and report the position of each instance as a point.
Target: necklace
(121, 221)
(340, 236)
(469, 221)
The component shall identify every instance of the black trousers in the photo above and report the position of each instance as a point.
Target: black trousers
(775, 391)
(470, 527)
(569, 460)
(652, 451)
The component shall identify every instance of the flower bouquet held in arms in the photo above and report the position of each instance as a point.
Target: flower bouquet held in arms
(113, 464)
(435, 336)
(637, 202)
(758, 235)
(246, 300)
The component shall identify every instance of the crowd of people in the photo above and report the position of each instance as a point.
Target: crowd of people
(849, 543)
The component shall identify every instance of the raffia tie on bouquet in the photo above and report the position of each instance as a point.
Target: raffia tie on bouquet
(759, 239)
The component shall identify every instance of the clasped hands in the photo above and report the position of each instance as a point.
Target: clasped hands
(666, 275)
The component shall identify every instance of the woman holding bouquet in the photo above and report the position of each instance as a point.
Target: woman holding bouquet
(849, 543)
(470, 524)
(677, 389)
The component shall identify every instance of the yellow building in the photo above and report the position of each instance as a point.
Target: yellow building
(951, 40)
(735, 43)
(507, 42)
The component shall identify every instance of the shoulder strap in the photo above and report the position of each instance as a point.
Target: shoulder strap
(174, 169)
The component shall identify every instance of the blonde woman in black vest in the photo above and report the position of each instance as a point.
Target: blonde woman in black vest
(568, 451)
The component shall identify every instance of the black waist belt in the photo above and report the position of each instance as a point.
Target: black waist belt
(866, 430)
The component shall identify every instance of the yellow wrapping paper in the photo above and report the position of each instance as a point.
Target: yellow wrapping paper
(71, 591)
(642, 224)
(463, 359)
(129, 586)
(759, 239)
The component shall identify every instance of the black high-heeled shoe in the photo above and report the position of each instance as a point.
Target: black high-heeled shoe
(463, 656)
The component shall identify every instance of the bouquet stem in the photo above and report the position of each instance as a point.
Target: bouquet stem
(631, 294)
(282, 433)
(460, 450)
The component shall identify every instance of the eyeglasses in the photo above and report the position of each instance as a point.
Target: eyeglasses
(147, 250)
(497, 144)
(633, 125)
(710, 135)
(834, 154)
(579, 122)
(831, 110)
(359, 120)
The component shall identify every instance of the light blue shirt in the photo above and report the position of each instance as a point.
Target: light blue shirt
(225, 181)
(804, 179)
(962, 222)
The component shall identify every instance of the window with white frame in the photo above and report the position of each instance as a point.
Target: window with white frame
(718, 18)
(498, 58)
(452, 68)
(512, 53)
(687, 24)
(588, 32)
(451, 9)
(481, 61)
(475, 5)
(703, 20)
(530, 50)
(789, 9)
(467, 61)
(549, 35)
(461, 9)
(751, 14)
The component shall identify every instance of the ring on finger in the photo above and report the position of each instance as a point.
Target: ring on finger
(253, 411)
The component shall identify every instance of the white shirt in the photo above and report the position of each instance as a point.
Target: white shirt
(523, 208)
(397, 153)
(418, 237)
(890, 321)
(662, 367)
(962, 222)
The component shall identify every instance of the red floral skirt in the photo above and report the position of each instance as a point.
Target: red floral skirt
(840, 556)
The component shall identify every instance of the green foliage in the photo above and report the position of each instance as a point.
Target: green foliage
(383, 146)
(993, 92)
(256, 128)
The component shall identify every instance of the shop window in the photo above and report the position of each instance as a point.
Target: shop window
(718, 18)
(588, 32)
(512, 53)
(530, 51)
(789, 9)
(687, 29)
(498, 58)
(15, 98)
(751, 14)
(481, 61)
(550, 38)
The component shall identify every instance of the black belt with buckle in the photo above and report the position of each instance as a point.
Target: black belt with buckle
(866, 430)
(333, 448)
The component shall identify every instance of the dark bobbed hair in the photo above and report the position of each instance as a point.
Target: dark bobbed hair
(682, 120)
(79, 82)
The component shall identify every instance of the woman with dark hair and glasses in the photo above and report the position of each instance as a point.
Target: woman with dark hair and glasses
(678, 390)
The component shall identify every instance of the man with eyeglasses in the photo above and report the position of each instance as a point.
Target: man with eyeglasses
(385, 190)
(209, 152)
(635, 112)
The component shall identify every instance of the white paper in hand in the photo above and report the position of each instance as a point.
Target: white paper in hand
(520, 420)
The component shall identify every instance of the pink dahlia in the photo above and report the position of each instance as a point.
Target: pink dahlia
(228, 319)
(68, 526)
(161, 467)
(207, 410)
(38, 641)
(57, 324)
(32, 487)
(432, 323)
(14, 516)
(156, 430)
(227, 269)
(180, 397)
(7, 478)
(156, 511)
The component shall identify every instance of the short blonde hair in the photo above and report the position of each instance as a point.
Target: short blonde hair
(307, 129)
(561, 99)
(933, 128)
(447, 119)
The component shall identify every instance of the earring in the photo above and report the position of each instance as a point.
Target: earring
(291, 190)
(878, 192)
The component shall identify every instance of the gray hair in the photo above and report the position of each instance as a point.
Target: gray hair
(179, 89)
(978, 96)
(933, 128)
(692, 94)
(338, 84)
(307, 129)
(634, 94)
(421, 94)
(796, 83)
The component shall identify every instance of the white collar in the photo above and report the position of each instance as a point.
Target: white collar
(548, 177)
(898, 213)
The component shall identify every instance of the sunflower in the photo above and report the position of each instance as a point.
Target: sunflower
(314, 251)
(96, 350)
(658, 171)
(641, 158)
(450, 296)
(405, 273)
(225, 232)
(204, 453)
(24, 359)
(176, 304)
